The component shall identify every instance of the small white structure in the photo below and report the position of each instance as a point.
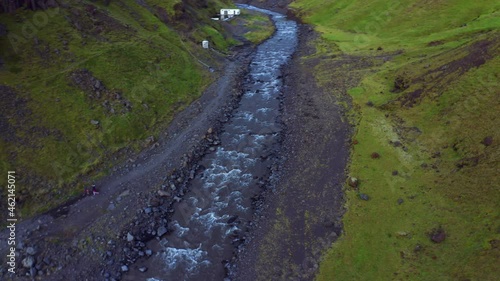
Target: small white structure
(228, 13)
(204, 44)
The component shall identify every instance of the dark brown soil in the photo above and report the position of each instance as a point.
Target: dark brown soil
(471, 56)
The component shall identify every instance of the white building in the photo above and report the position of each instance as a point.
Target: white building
(228, 13)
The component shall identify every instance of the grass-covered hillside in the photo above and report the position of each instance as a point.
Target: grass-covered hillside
(424, 81)
(81, 80)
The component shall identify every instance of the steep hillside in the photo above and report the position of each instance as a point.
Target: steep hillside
(84, 83)
(423, 81)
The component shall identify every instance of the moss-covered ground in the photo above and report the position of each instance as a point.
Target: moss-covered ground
(426, 143)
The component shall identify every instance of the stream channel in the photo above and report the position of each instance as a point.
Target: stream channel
(209, 222)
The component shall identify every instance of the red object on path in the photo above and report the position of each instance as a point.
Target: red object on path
(94, 190)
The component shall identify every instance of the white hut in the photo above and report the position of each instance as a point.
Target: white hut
(204, 44)
(228, 13)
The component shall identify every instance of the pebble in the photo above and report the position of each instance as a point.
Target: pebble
(124, 268)
(363, 196)
(143, 269)
(28, 262)
(130, 237)
(161, 231)
(31, 251)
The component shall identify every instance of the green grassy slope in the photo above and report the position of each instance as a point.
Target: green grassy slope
(145, 59)
(427, 101)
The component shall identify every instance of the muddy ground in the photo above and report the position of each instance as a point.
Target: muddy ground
(93, 238)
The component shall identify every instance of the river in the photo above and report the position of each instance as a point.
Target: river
(210, 221)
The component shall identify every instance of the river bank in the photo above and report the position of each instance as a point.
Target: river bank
(303, 216)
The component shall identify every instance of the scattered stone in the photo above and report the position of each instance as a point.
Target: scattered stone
(31, 251)
(402, 233)
(400, 201)
(111, 207)
(379, 49)
(149, 141)
(124, 268)
(232, 219)
(487, 141)
(370, 104)
(125, 193)
(161, 231)
(130, 237)
(163, 193)
(143, 269)
(210, 130)
(417, 248)
(28, 262)
(395, 172)
(375, 155)
(94, 122)
(164, 242)
(438, 235)
(149, 252)
(353, 182)
(363, 196)
(147, 210)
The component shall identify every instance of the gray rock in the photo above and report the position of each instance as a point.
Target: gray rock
(164, 242)
(147, 210)
(130, 237)
(33, 272)
(143, 269)
(363, 196)
(149, 252)
(31, 251)
(124, 268)
(111, 207)
(161, 231)
(163, 193)
(28, 262)
(94, 122)
(400, 201)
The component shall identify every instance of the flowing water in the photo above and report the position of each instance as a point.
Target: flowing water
(208, 222)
